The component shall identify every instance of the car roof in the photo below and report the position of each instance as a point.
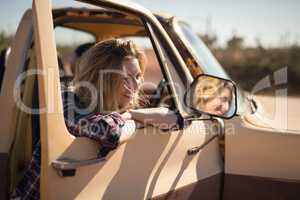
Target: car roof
(102, 23)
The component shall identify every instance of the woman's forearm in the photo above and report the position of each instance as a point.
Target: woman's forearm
(128, 131)
(157, 117)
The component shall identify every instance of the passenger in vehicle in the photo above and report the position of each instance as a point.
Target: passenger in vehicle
(214, 96)
(67, 66)
(71, 60)
(106, 91)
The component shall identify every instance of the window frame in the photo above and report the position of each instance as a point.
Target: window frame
(163, 39)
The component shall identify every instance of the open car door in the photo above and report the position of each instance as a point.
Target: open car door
(15, 123)
(153, 165)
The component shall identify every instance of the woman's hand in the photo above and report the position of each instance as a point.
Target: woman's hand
(128, 131)
(126, 115)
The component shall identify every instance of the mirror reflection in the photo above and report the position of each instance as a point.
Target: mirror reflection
(212, 95)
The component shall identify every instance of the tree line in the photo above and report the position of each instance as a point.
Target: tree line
(248, 65)
(245, 65)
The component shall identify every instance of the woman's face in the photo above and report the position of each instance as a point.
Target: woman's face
(130, 82)
(220, 104)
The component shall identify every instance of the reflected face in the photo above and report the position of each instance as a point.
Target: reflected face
(220, 104)
(130, 82)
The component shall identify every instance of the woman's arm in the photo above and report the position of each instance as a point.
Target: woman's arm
(160, 117)
(128, 131)
(105, 129)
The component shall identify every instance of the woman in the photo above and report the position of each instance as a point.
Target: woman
(214, 96)
(107, 81)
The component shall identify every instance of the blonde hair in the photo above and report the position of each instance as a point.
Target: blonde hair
(106, 56)
(207, 88)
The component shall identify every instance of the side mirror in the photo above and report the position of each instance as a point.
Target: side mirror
(213, 96)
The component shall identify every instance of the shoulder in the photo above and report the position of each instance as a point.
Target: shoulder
(73, 108)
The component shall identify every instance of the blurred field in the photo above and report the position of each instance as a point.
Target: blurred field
(267, 98)
(245, 65)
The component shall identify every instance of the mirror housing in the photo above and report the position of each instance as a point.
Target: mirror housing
(213, 96)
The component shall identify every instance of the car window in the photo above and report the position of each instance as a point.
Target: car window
(67, 42)
(205, 59)
(178, 81)
(203, 55)
(70, 37)
(154, 88)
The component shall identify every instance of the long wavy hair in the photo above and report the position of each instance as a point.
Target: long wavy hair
(207, 89)
(98, 73)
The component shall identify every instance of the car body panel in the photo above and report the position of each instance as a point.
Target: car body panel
(277, 113)
(268, 153)
(147, 166)
(15, 62)
(258, 158)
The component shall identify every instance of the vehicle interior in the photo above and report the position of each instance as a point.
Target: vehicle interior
(3, 58)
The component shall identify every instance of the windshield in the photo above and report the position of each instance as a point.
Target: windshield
(201, 53)
(206, 59)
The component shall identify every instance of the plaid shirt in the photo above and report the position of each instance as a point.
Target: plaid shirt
(105, 129)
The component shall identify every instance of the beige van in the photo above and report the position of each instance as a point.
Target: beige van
(232, 155)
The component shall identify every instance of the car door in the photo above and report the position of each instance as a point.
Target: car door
(153, 164)
(262, 159)
(13, 120)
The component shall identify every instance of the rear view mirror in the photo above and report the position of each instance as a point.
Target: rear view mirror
(213, 96)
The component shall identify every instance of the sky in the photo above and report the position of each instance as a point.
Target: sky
(274, 22)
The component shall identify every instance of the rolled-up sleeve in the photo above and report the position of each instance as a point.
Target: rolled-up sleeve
(105, 129)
